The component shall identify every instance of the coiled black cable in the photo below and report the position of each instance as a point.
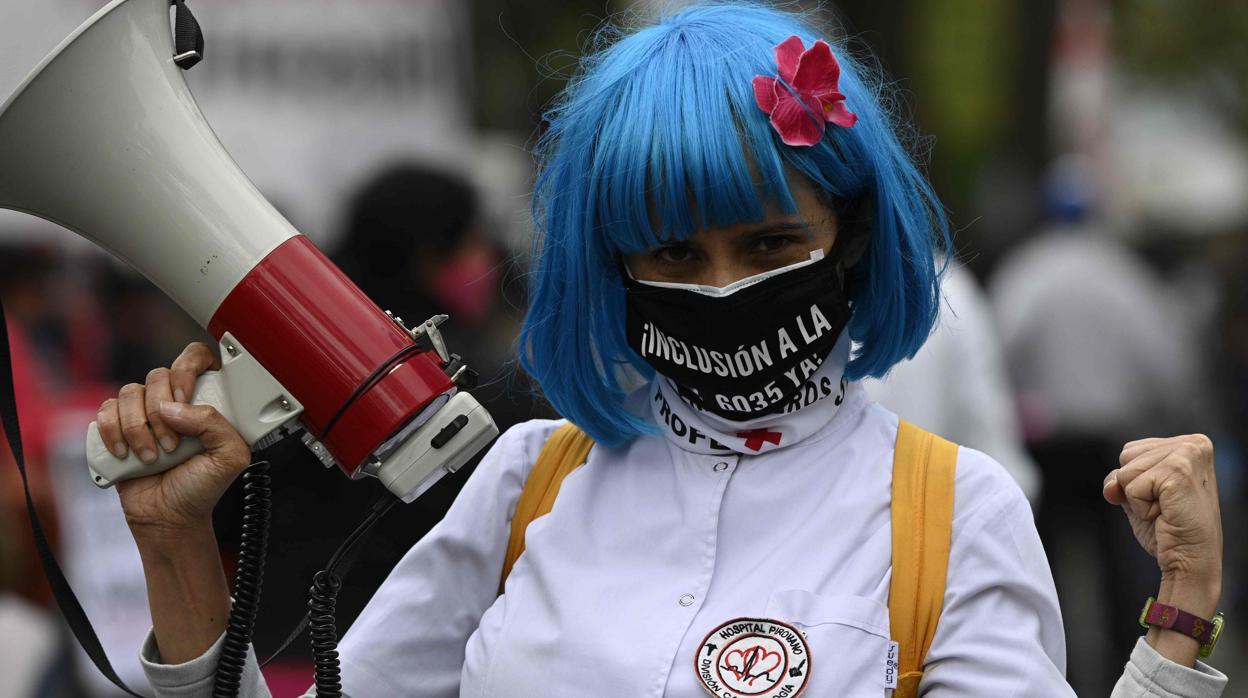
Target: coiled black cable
(257, 506)
(322, 596)
(322, 599)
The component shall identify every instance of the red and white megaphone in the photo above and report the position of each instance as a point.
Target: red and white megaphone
(105, 139)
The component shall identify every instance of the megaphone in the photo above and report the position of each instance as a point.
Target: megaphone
(105, 139)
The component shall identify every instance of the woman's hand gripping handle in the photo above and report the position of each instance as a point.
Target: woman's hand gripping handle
(170, 512)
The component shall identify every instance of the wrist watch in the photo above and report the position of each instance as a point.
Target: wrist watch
(1206, 632)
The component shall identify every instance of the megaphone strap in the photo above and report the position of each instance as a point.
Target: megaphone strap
(188, 38)
(71, 608)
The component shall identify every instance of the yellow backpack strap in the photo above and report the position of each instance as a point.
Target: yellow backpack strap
(565, 451)
(923, 471)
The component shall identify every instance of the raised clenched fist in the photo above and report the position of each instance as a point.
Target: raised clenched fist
(1168, 490)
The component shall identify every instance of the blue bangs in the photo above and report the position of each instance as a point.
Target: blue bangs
(658, 137)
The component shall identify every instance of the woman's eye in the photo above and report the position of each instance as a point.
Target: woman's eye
(673, 254)
(772, 243)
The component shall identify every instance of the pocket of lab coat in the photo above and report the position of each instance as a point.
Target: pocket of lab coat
(848, 639)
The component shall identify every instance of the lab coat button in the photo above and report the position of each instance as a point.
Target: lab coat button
(686, 600)
(721, 467)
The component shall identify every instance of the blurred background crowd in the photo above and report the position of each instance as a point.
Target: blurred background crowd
(1091, 153)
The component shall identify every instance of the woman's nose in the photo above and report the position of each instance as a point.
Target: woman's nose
(721, 272)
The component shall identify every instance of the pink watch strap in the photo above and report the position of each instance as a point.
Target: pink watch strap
(1162, 616)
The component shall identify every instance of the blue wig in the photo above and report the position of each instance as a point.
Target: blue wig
(659, 136)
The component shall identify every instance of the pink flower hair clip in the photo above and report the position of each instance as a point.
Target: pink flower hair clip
(805, 94)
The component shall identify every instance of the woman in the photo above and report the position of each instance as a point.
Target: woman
(723, 208)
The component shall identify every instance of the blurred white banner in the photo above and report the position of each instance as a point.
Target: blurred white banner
(307, 95)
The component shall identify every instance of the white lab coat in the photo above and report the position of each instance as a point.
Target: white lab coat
(650, 547)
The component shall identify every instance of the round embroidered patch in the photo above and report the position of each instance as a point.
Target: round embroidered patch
(754, 658)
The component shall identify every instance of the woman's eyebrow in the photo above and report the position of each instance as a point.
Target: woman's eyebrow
(782, 227)
(687, 242)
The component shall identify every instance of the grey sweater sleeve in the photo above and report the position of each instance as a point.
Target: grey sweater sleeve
(194, 679)
(1150, 675)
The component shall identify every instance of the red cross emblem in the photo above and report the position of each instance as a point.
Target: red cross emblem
(755, 438)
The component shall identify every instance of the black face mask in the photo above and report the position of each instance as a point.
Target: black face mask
(746, 354)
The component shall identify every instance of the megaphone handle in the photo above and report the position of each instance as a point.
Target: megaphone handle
(107, 469)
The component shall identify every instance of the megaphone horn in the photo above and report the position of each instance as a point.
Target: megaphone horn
(106, 139)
